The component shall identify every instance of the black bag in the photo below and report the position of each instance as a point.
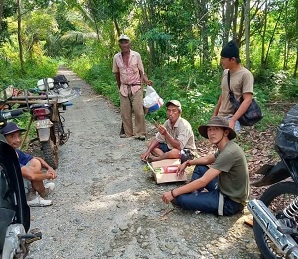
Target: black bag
(252, 115)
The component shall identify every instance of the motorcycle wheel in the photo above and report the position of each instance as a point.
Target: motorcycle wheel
(50, 151)
(276, 198)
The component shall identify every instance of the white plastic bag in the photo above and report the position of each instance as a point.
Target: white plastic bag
(152, 101)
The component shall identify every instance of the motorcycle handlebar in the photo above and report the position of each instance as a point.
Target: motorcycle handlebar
(5, 115)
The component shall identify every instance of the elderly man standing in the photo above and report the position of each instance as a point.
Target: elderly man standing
(129, 72)
(173, 137)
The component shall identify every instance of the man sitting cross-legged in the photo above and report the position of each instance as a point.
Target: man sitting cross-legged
(173, 136)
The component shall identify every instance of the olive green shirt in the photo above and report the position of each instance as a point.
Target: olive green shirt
(234, 177)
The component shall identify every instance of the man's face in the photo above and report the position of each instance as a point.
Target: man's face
(124, 45)
(215, 134)
(173, 113)
(14, 139)
(226, 62)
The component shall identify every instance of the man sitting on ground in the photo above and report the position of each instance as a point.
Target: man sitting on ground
(226, 181)
(173, 136)
(31, 168)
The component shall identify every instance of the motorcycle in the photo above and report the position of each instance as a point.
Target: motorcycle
(45, 110)
(275, 223)
(14, 211)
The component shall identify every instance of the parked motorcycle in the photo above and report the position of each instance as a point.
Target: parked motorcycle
(45, 109)
(275, 214)
(14, 211)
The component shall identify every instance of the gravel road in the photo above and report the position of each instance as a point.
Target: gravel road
(105, 206)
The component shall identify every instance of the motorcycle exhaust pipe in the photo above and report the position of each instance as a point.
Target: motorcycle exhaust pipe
(274, 229)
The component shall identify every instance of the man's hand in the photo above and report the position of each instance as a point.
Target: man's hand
(181, 170)
(148, 82)
(145, 156)
(52, 173)
(162, 130)
(167, 197)
(232, 123)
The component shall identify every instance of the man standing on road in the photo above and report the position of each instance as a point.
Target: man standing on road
(129, 72)
(226, 181)
(173, 136)
(241, 84)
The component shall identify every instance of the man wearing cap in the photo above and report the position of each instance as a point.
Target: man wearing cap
(241, 84)
(31, 168)
(225, 183)
(173, 136)
(129, 73)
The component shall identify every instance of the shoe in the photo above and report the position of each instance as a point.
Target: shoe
(123, 136)
(140, 137)
(49, 187)
(39, 202)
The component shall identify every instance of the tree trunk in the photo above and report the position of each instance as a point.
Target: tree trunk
(247, 31)
(227, 20)
(202, 18)
(20, 36)
(263, 62)
(1, 13)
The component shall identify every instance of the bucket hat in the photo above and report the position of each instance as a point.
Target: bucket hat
(11, 127)
(217, 121)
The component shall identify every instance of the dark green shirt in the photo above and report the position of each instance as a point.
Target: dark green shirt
(234, 177)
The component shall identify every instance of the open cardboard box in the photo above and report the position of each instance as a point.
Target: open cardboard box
(165, 177)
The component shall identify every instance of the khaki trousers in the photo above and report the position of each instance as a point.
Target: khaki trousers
(129, 104)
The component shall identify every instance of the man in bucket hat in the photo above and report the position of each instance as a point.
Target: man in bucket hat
(226, 181)
(31, 168)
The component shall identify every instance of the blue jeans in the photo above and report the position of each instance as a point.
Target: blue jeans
(207, 201)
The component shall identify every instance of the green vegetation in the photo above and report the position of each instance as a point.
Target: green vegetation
(179, 42)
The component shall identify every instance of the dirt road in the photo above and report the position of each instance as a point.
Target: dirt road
(105, 206)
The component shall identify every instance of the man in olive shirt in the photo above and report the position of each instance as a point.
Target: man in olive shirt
(173, 137)
(226, 181)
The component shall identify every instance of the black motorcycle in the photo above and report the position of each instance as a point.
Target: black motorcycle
(14, 211)
(275, 214)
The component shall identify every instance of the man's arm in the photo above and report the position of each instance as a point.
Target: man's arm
(205, 160)
(152, 145)
(192, 186)
(216, 110)
(28, 173)
(247, 99)
(44, 164)
(117, 76)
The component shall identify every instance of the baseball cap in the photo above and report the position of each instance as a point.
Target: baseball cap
(11, 127)
(176, 103)
(123, 37)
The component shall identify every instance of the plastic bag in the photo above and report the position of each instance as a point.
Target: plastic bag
(152, 101)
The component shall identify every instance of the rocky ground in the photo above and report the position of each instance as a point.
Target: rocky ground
(106, 206)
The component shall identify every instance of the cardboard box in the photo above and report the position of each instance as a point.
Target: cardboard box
(158, 167)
